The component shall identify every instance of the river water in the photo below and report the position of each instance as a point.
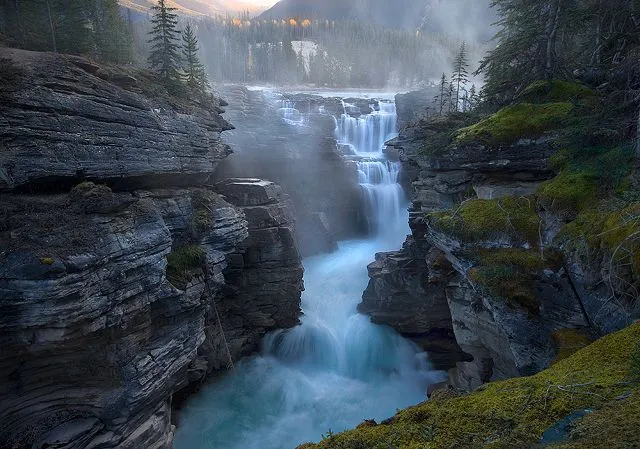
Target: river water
(336, 368)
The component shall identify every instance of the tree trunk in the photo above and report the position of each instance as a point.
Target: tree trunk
(53, 31)
(552, 33)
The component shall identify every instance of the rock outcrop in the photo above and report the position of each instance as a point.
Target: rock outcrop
(124, 278)
(470, 270)
(297, 149)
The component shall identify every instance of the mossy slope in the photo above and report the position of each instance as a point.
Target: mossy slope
(515, 413)
(515, 122)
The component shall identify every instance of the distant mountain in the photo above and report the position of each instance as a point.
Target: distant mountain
(197, 7)
(468, 19)
(394, 14)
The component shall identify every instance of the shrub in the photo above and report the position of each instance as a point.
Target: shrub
(183, 263)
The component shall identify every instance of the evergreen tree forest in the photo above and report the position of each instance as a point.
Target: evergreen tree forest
(90, 27)
(596, 42)
(322, 53)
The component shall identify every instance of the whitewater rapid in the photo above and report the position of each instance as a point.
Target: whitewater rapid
(336, 368)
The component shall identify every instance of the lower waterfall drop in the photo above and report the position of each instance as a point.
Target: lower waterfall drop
(336, 368)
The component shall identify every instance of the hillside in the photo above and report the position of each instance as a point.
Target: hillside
(196, 7)
(468, 19)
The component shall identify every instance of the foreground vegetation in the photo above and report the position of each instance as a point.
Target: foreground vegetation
(602, 381)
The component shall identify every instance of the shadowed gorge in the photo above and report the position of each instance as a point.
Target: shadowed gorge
(356, 224)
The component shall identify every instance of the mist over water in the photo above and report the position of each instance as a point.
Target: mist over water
(336, 368)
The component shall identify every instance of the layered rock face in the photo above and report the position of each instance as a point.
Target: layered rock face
(108, 289)
(437, 284)
(296, 148)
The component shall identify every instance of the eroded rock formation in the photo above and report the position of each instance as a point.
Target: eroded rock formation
(125, 276)
(447, 280)
(273, 141)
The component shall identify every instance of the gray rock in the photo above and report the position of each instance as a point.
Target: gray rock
(65, 124)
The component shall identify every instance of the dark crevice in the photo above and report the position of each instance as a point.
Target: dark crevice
(578, 298)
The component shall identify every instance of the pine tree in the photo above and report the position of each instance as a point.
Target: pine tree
(164, 57)
(194, 72)
(473, 97)
(441, 99)
(113, 36)
(460, 73)
(451, 98)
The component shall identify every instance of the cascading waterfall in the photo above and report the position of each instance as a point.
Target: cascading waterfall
(366, 135)
(336, 368)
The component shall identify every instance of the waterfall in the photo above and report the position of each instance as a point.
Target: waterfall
(336, 368)
(365, 135)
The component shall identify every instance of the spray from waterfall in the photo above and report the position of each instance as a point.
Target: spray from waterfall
(336, 368)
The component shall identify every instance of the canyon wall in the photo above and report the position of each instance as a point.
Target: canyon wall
(128, 271)
(482, 283)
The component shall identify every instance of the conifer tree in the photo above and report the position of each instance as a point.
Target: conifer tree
(473, 97)
(194, 72)
(165, 57)
(451, 98)
(442, 97)
(460, 74)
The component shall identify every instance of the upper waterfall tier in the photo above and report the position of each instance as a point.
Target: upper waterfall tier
(366, 134)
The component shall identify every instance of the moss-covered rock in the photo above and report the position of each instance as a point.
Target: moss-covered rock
(615, 233)
(481, 220)
(515, 413)
(569, 193)
(555, 91)
(509, 273)
(183, 263)
(437, 132)
(519, 121)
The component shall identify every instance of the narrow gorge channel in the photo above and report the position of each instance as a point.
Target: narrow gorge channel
(336, 368)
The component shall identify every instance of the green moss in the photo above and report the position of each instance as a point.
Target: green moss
(569, 192)
(202, 220)
(555, 91)
(47, 261)
(520, 121)
(479, 220)
(511, 274)
(616, 234)
(516, 412)
(437, 132)
(568, 341)
(634, 365)
(615, 426)
(183, 263)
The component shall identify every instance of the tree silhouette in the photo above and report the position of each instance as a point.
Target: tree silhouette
(194, 72)
(164, 57)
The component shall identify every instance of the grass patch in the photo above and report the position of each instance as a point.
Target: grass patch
(519, 121)
(516, 412)
(481, 220)
(183, 264)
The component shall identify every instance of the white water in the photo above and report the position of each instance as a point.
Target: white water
(336, 368)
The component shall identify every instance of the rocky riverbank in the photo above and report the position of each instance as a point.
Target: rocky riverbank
(128, 271)
(497, 280)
